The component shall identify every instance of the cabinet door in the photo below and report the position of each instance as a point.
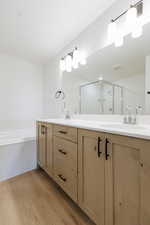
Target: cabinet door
(123, 181)
(91, 175)
(49, 149)
(42, 144)
(145, 183)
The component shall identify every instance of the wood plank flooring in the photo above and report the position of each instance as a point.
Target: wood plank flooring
(34, 199)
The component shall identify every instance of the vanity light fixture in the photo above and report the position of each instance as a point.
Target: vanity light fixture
(133, 24)
(72, 60)
(138, 29)
(68, 61)
(131, 18)
(75, 60)
(114, 34)
(62, 64)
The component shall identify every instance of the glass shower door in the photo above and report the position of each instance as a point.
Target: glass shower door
(90, 95)
(108, 103)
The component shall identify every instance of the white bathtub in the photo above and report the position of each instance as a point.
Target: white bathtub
(17, 152)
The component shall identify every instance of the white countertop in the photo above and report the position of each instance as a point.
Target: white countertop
(138, 131)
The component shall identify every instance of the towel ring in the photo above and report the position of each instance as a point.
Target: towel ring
(60, 95)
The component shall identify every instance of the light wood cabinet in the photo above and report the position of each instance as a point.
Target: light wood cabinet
(132, 182)
(91, 189)
(45, 147)
(68, 133)
(49, 149)
(65, 165)
(57, 155)
(41, 154)
(107, 175)
(145, 183)
(113, 188)
(66, 152)
(123, 169)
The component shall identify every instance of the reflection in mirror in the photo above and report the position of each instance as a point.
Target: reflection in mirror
(103, 97)
(114, 81)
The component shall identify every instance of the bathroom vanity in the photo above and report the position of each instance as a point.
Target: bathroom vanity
(105, 173)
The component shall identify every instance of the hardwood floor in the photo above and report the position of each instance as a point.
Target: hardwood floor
(34, 199)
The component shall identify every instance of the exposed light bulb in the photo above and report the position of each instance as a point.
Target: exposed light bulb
(75, 61)
(82, 57)
(68, 62)
(112, 30)
(72, 60)
(138, 29)
(101, 78)
(119, 39)
(62, 65)
(131, 18)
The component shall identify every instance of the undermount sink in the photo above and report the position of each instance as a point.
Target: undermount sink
(125, 126)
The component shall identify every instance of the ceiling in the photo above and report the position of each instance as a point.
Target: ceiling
(37, 30)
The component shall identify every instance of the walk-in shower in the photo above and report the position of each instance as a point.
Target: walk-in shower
(103, 97)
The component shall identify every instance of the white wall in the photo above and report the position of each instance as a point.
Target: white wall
(21, 92)
(55, 80)
(92, 39)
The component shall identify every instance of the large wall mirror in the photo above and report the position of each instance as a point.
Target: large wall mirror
(114, 81)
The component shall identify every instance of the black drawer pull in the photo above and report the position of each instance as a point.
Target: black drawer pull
(62, 152)
(99, 151)
(62, 178)
(62, 132)
(43, 129)
(106, 149)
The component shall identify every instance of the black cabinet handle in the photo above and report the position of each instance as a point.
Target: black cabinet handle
(43, 129)
(62, 132)
(106, 149)
(99, 151)
(62, 178)
(62, 152)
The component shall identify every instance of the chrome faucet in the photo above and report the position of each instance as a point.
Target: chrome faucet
(135, 116)
(67, 115)
(137, 109)
(129, 119)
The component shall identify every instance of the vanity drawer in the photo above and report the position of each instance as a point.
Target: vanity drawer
(65, 151)
(68, 133)
(67, 179)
